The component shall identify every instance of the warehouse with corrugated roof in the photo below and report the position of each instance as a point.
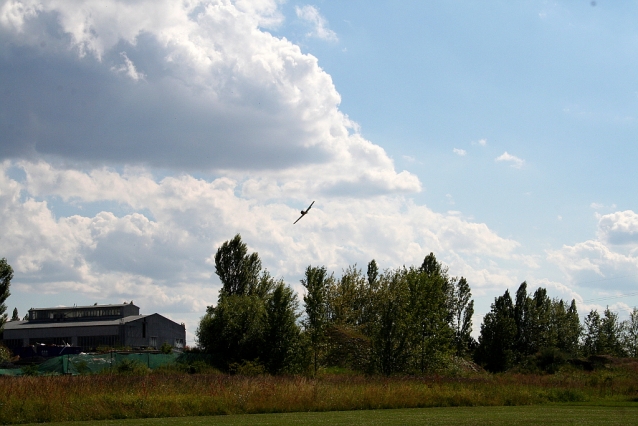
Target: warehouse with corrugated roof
(91, 326)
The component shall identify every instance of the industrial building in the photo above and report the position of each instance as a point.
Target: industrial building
(91, 326)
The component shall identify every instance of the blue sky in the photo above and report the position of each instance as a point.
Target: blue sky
(136, 137)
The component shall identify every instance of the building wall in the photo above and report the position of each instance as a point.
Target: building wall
(153, 331)
(71, 335)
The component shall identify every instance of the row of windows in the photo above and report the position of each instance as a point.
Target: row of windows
(50, 341)
(88, 343)
(75, 313)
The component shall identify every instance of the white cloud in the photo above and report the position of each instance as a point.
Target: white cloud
(460, 152)
(516, 162)
(182, 86)
(163, 257)
(128, 68)
(611, 256)
(599, 206)
(311, 15)
(481, 142)
(620, 228)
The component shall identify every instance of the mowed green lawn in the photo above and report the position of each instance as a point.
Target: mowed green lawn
(528, 415)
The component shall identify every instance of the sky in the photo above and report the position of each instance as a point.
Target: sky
(137, 136)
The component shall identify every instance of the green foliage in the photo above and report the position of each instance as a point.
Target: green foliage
(603, 335)
(540, 326)
(462, 312)
(317, 283)
(233, 331)
(237, 270)
(428, 316)
(6, 274)
(166, 348)
(5, 353)
(255, 317)
(30, 370)
(498, 336)
(284, 349)
(390, 332)
(15, 316)
(630, 334)
(131, 367)
(247, 368)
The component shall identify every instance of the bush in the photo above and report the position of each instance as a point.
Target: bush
(128, 366)
(166, 348)
(30, 370)
(247, 368)
(5, 354)
(550, 360)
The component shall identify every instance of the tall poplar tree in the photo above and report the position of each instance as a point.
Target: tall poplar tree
(6, 274)
(316, 282)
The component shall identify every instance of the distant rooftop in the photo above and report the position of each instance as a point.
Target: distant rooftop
(117, 305)
(83, 313)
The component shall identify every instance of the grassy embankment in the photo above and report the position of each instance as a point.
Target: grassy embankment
(172, 394)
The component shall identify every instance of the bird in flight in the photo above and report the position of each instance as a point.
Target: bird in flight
(304, 212)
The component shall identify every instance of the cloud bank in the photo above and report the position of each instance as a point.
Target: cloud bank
(188, 86)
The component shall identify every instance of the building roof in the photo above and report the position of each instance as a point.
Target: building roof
(117, 305)
(24, 325)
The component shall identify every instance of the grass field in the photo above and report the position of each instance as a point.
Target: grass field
(626, 414)
(606, 396)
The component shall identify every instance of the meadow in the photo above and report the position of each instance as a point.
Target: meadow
(166, 393)
(458, 416)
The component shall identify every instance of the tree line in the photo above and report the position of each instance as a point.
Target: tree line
(406, 320)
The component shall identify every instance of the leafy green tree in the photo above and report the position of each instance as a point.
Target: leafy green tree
(6, 274)
(345, 298)
(541, 310)
(566, 328)
(611, 334)
(542, 324)
(462, 312)
(15, 316)
(317, 283)
(498, 336)
(591, 338)
(283, 349)
(373, 273)
(431, 266)
(234, 330)
(238, 271)
(431, 335)
(390, 331)
(603, 335)
(630, 334)
(522, 318)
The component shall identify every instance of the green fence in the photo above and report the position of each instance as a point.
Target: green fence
(90, 364)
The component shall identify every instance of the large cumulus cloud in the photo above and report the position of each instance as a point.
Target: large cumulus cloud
(608, 261)
(177, 222)
(179, 85)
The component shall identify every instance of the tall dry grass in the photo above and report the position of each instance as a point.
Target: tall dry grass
(63, 398)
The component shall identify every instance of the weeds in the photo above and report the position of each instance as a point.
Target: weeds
(171, 392)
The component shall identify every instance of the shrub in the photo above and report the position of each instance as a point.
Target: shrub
(5, 354)
(166, 348)
(128, 366)
(247, 368)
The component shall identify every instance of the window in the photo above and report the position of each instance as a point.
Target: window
(153, 342)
